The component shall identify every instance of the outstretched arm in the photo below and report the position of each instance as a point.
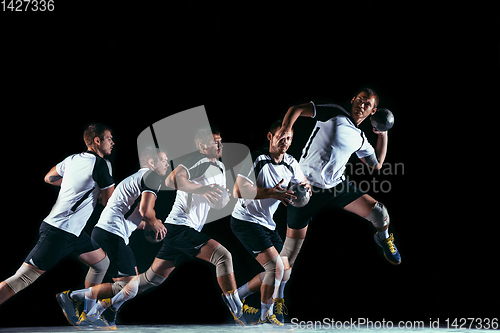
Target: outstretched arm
(179, 180)
(244, 189)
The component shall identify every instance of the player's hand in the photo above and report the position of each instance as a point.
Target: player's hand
(379, 132)
(305, 184)
(283, 133)
(159, 229)
(282, 194)
(211, 193)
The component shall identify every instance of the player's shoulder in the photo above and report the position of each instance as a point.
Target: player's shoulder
(328, 110)
(260, 154)
(289, 159)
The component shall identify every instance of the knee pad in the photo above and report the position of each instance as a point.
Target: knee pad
(23, 278)
(222, 260)
(149, 279)
(131, 289)
(118, 286)
(274, 270)
(378, 216)
(291, 249)
(97, 271)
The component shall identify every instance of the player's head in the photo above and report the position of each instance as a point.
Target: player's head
(98, 138)
(363, 104)
(155, 160)
(279, 146)
(209, 142)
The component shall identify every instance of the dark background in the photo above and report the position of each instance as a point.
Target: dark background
(129, 65)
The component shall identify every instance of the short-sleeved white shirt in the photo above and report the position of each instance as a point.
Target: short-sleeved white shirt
(264, 173)
(191, 209)
(84, 176)
(121, 215)
(333, 140)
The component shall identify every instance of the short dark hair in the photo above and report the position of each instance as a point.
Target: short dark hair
(370, 93)
(94, 130)
(148, 153)
(205, 135)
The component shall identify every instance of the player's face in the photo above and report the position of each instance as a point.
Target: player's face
(362, 106)
(162, 165)
(214, 148)
(106, 144)
(280, 146)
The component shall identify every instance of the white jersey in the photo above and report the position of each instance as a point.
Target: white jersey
(191, 209)
(84, 176)
(332, 142)
(121, 215)
(264, 173)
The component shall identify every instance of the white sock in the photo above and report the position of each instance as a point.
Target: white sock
(244, 292)
(234, 302)
(383, 234)
(264, 307)
(281, 290)
(78, 295)
(89, 302)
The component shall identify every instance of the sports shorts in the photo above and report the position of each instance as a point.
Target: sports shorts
(53, 244)
(255, 237)
(338, 196)
(120, 255)
(181, 241)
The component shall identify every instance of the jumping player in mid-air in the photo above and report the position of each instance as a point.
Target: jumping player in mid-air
(333, 140)
(261, 187)
(84, 179)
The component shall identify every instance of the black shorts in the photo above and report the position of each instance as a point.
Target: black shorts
(255, 237)
(338, 196)
(120, 255)
(54, 244)
(181, 241)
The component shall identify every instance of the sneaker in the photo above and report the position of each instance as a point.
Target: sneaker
(110, 316)
(69, 307)
(99, 323)
(280, 309)
(271, 319)
(250, 314)
(391, 253)
(240, 320)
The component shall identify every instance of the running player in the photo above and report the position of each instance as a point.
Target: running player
(335, 138)
(130, 207)
(194, 179)
(260, 187)
(84, 179)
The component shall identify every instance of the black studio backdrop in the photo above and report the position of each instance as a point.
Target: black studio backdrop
(129, 67)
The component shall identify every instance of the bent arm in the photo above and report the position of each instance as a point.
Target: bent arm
(147, 208)
(376, 160)
(293, 113)
(53, 178)
(179, 180)
(245, 190)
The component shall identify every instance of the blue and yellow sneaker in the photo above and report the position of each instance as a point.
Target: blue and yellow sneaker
(271, 319)
(69, 307)
(240, 320)
(280, 309)
(391, 253)
(99, 323)
(250, 314)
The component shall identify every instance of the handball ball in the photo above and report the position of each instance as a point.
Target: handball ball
(382, 120)
(223, 201)
(301, 193)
